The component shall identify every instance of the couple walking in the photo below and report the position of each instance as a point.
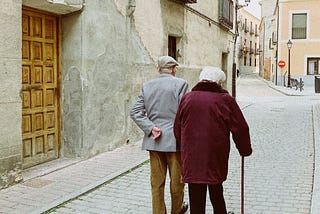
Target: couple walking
(188, 133)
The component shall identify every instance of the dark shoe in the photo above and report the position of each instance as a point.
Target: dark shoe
(230, 212)
(184, 208)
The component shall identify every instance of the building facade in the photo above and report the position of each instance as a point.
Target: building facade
(267, 40)
(71, 70)
(298, 22)
(248, 41)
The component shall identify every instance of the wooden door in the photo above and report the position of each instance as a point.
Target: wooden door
(40, 101)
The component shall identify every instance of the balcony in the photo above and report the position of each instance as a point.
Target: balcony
(244, 50)
(257, 51)
(246, 29)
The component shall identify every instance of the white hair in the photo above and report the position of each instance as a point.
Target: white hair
(213, 74)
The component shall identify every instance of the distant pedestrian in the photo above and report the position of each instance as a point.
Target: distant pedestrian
(238, 72)
(204, 120)
(154, 112)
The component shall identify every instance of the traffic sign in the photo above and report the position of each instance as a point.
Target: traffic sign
(281, 63)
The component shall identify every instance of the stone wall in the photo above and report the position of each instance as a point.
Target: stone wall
(10, 101)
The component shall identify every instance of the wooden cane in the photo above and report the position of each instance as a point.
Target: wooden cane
(242, 184)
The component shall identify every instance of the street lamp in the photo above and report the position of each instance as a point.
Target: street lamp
(289, 45)
(236, 34)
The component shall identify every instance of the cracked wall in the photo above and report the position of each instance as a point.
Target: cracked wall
(103, 65)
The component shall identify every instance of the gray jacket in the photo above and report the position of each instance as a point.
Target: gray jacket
(157, 105)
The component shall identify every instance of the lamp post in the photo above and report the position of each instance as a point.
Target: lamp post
(236, 34)
(289, 45)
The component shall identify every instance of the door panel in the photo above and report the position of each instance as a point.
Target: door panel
(40, 101)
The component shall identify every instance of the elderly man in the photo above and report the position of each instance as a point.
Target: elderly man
(204, 120)
(154, 112)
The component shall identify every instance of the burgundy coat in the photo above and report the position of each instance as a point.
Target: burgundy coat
(202, 127)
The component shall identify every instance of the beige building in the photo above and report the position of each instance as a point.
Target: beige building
(298, 21)
(268, 40)
(71, 70)
(248, 41)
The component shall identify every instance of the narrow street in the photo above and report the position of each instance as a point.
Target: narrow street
(278, 175)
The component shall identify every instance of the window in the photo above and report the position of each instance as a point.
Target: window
(246, 27)
(299, 26)
(226, 13)
(251, 28)
(172, 47)
(245, 46)
(313, 66)
(256, 30)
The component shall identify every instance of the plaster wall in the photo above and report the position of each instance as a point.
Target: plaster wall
(10, 102)
(104, 63)
(199, 43)
(108, 53)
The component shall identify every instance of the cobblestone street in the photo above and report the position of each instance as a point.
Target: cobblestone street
(278, 175)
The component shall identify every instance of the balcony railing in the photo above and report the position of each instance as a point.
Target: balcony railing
(244, 50)
(257, 51)
(246, 29)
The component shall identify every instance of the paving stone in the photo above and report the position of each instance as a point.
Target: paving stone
(278, 175)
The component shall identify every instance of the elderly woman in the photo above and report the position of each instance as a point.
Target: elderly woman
(202, 127)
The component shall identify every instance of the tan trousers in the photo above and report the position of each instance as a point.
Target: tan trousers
(159, 162)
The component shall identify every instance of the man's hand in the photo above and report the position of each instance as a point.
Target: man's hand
(155, 133)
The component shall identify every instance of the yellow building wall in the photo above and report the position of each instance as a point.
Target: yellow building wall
(301, 48)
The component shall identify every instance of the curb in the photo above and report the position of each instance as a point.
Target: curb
(89, 187)
(315, 205)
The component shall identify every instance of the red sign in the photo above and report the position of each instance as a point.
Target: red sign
(281, 63)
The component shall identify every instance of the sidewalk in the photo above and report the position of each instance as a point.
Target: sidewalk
(70, 178)
(308, 91)
(39, 194)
